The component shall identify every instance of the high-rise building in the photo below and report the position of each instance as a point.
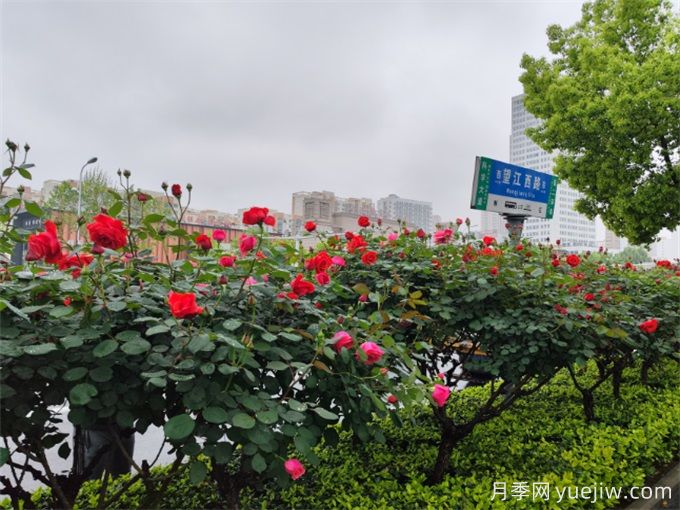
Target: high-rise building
(413, 212)
(575, 231)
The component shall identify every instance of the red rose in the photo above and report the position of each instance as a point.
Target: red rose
(203, 242)
(558, 242)
(488, 240)
(294, 468)
(142, 197)
(183, 304)
(573, 260)
(176, 190)
(349, 235)
(77, 260)
(107, 232)
(589, 297)
(459, 221)
(493, 271)
(270, 220)
(421, 233)
(649, 326)
(363, 298)
(45, 245)
(519, 247)
(363, 221)
(369, 258)
(67, 301)
(631, 266)
(443, 236)
(301, 286)
(555, 262)
(323, 278)
(321, 262)
(392, 399)
(227, 261)
(601, 269)
(310, 226)
(255, 215)
(246, 244)
(356, 243)
(664, 263)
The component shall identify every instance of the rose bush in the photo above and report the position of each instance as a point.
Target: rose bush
(246, 354)
(233, 360)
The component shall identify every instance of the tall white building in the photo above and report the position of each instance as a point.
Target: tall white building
(575, 231)
(414, 212)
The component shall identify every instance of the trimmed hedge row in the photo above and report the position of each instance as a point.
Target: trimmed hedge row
(544, 438)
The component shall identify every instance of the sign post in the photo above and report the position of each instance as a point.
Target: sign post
(513, 191)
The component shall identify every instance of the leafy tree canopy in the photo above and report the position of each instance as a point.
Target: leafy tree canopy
(609, 100)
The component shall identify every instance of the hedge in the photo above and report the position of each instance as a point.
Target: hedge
(633, 437)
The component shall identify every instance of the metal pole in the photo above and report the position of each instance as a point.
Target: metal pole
(80, 198)
(515, 225)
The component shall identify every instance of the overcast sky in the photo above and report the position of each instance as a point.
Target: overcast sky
(251, 101)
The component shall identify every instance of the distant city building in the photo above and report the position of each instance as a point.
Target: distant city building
(575, 231)
(332, 213)
(667, 246)
(612, 242)
(413, 212)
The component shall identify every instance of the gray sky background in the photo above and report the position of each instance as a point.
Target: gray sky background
(251, 101)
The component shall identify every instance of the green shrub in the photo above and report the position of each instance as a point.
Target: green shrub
(544, 438)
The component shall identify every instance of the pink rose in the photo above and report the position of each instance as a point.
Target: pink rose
(373, 352)
(219, 235)
(343, 340)
(440, 394)
(338, 261)
(250, 281)
(392, 236)
(294, 468)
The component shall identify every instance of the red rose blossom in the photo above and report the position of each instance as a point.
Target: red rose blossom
(203, 242)
(573, 260)
(363, 221)
(343, 340)
(356, 243)
(227, 261)
(369, 258)
(649, 326)
(301, 287)
(420, 233)
(493, 271)
(176, 190)
(183, 305)
(246, 244)
(45, 245)
(107, 232)
(322, 278)
(392, 399)
(255, 215)
(488, 240)
(219, 235)
(373, 352)
(310, 226)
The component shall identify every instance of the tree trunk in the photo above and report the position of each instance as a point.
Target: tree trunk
(228, 486)
(616, 379)
(451, 436)
(644, 371)
(588, 405)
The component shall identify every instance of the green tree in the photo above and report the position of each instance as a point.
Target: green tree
(634, 254)
(95, 194)
(609, 100)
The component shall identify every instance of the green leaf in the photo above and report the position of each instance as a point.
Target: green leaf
(4, 456)
(34, 209)
(267, 417)
(215, 415)
(277, 365)
(155, 330)
(223, 452)
(115, 209)
(197, 472)
(179, 427)
(258, 463)
(325, 414)
(199, 343)
(82, 393)
(61, 311)
(104, 348)
(101, 374)
(64, 450)
(243, 421)
(40, 349)
(231, 324)
(135, 347)
(75, 373)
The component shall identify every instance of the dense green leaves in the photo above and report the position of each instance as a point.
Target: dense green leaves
(609, 100)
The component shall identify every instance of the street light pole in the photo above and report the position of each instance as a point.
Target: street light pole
(80, 198)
